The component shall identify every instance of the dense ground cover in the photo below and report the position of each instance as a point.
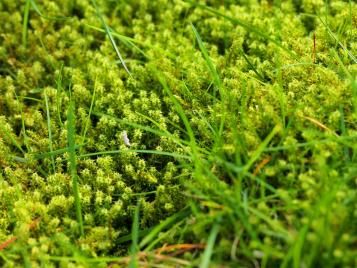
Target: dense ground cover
(178, 133)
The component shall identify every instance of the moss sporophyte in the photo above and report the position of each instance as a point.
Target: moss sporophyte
(178, 133)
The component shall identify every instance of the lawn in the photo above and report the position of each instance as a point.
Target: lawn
(178, 133)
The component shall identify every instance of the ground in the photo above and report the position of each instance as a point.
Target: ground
(178, 133)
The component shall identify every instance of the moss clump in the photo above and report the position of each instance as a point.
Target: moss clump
(237, 113)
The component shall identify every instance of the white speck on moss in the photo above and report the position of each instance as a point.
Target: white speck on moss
(125, 138)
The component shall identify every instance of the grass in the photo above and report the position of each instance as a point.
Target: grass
(73, 165)
(25, 22)
(109, 33)
(50, 133)
(206, 257)
(241, 121)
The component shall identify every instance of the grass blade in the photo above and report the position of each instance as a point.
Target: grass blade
(12, 139)
(37, 10)
(337, 40)
(73, 165)
(109, 33)
(245, 25)
(166, 223)
(25, 22)
(137, 151)
(128, 41)
(206, 259)
(211, 67)
(261, 148)
(135, 237)
(84, 132)
(217, 83)
(50, 133)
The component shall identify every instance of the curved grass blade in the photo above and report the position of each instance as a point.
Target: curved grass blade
(109, 33)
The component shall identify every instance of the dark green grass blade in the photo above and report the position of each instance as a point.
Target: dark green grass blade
(109, 33)
(71, 132)
(252, 67)
(50, 133)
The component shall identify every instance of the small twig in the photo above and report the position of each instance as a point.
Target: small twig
(319, 124)
(262, 164)
(7, 243)
(314, 50)
(142, 257)
(184, 247)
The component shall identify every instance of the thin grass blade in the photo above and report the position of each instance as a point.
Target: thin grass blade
(71, 132)
(109, 33)
(135, 237)
(50, 133)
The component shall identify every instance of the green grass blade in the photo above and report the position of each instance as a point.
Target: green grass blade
(175, 155)
(128, 41)
(135, 237)
(50, 133)
(329, 31)
(252, 67)
(211, 67)
(25, 22)
(128, 237)
(73, 165)
(163, 225)
(84, 132)
(109, 33)
(59, 79)
(181, 113)
(37, 10)
(178, 141)
(217, 82)
(12, 139)
(245, 25)
(43, 155)
(206, 258)
(23, 128)
(261, 148)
